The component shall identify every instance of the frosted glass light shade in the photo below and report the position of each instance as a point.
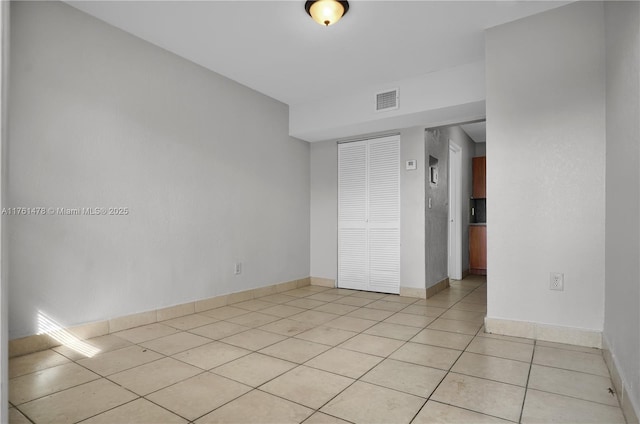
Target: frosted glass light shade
(326, 12)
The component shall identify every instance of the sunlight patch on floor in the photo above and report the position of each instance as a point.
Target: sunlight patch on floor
(51, 328)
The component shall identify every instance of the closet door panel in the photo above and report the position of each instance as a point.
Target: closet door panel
(384, 182)
(384, 215)
(384, 259)
(352, 183)
(353, 262)
(352, 216)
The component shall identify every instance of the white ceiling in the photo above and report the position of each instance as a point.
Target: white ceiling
(476, 130)
(274, 47)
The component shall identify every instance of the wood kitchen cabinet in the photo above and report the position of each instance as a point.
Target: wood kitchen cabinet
(479, 177)
(478, 249)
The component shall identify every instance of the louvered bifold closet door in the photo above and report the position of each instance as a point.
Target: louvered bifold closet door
(353, 260)
(384, 215)
(369, 215)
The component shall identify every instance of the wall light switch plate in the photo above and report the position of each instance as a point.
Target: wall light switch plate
(411, 165)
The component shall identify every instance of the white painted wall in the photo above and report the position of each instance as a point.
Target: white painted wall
(412, 202)
(4, 299)
(444, 97)
(546, 167)
(324, 209)
(100, 118)
(622, 290)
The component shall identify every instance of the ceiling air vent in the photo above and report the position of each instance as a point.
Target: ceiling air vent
(387, 100)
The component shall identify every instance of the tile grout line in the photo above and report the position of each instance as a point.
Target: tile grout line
(576, 398)
(572, 370)
(526, 387)
(110, 409)
(475, 412)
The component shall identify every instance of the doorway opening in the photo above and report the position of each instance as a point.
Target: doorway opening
(451, 207)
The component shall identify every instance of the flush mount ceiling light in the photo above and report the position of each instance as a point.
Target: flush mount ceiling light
(326, 12)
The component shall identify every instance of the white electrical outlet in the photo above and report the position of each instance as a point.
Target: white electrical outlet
(556, 281)
(237, 269)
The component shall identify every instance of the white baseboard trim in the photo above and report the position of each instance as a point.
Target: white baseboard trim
(38, 342)
(437, 288)
(549, 333)
(630, 410)
(404, 291)
(413, 292)
(323, 282)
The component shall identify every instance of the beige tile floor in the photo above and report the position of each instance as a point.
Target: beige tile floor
(318, 355)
